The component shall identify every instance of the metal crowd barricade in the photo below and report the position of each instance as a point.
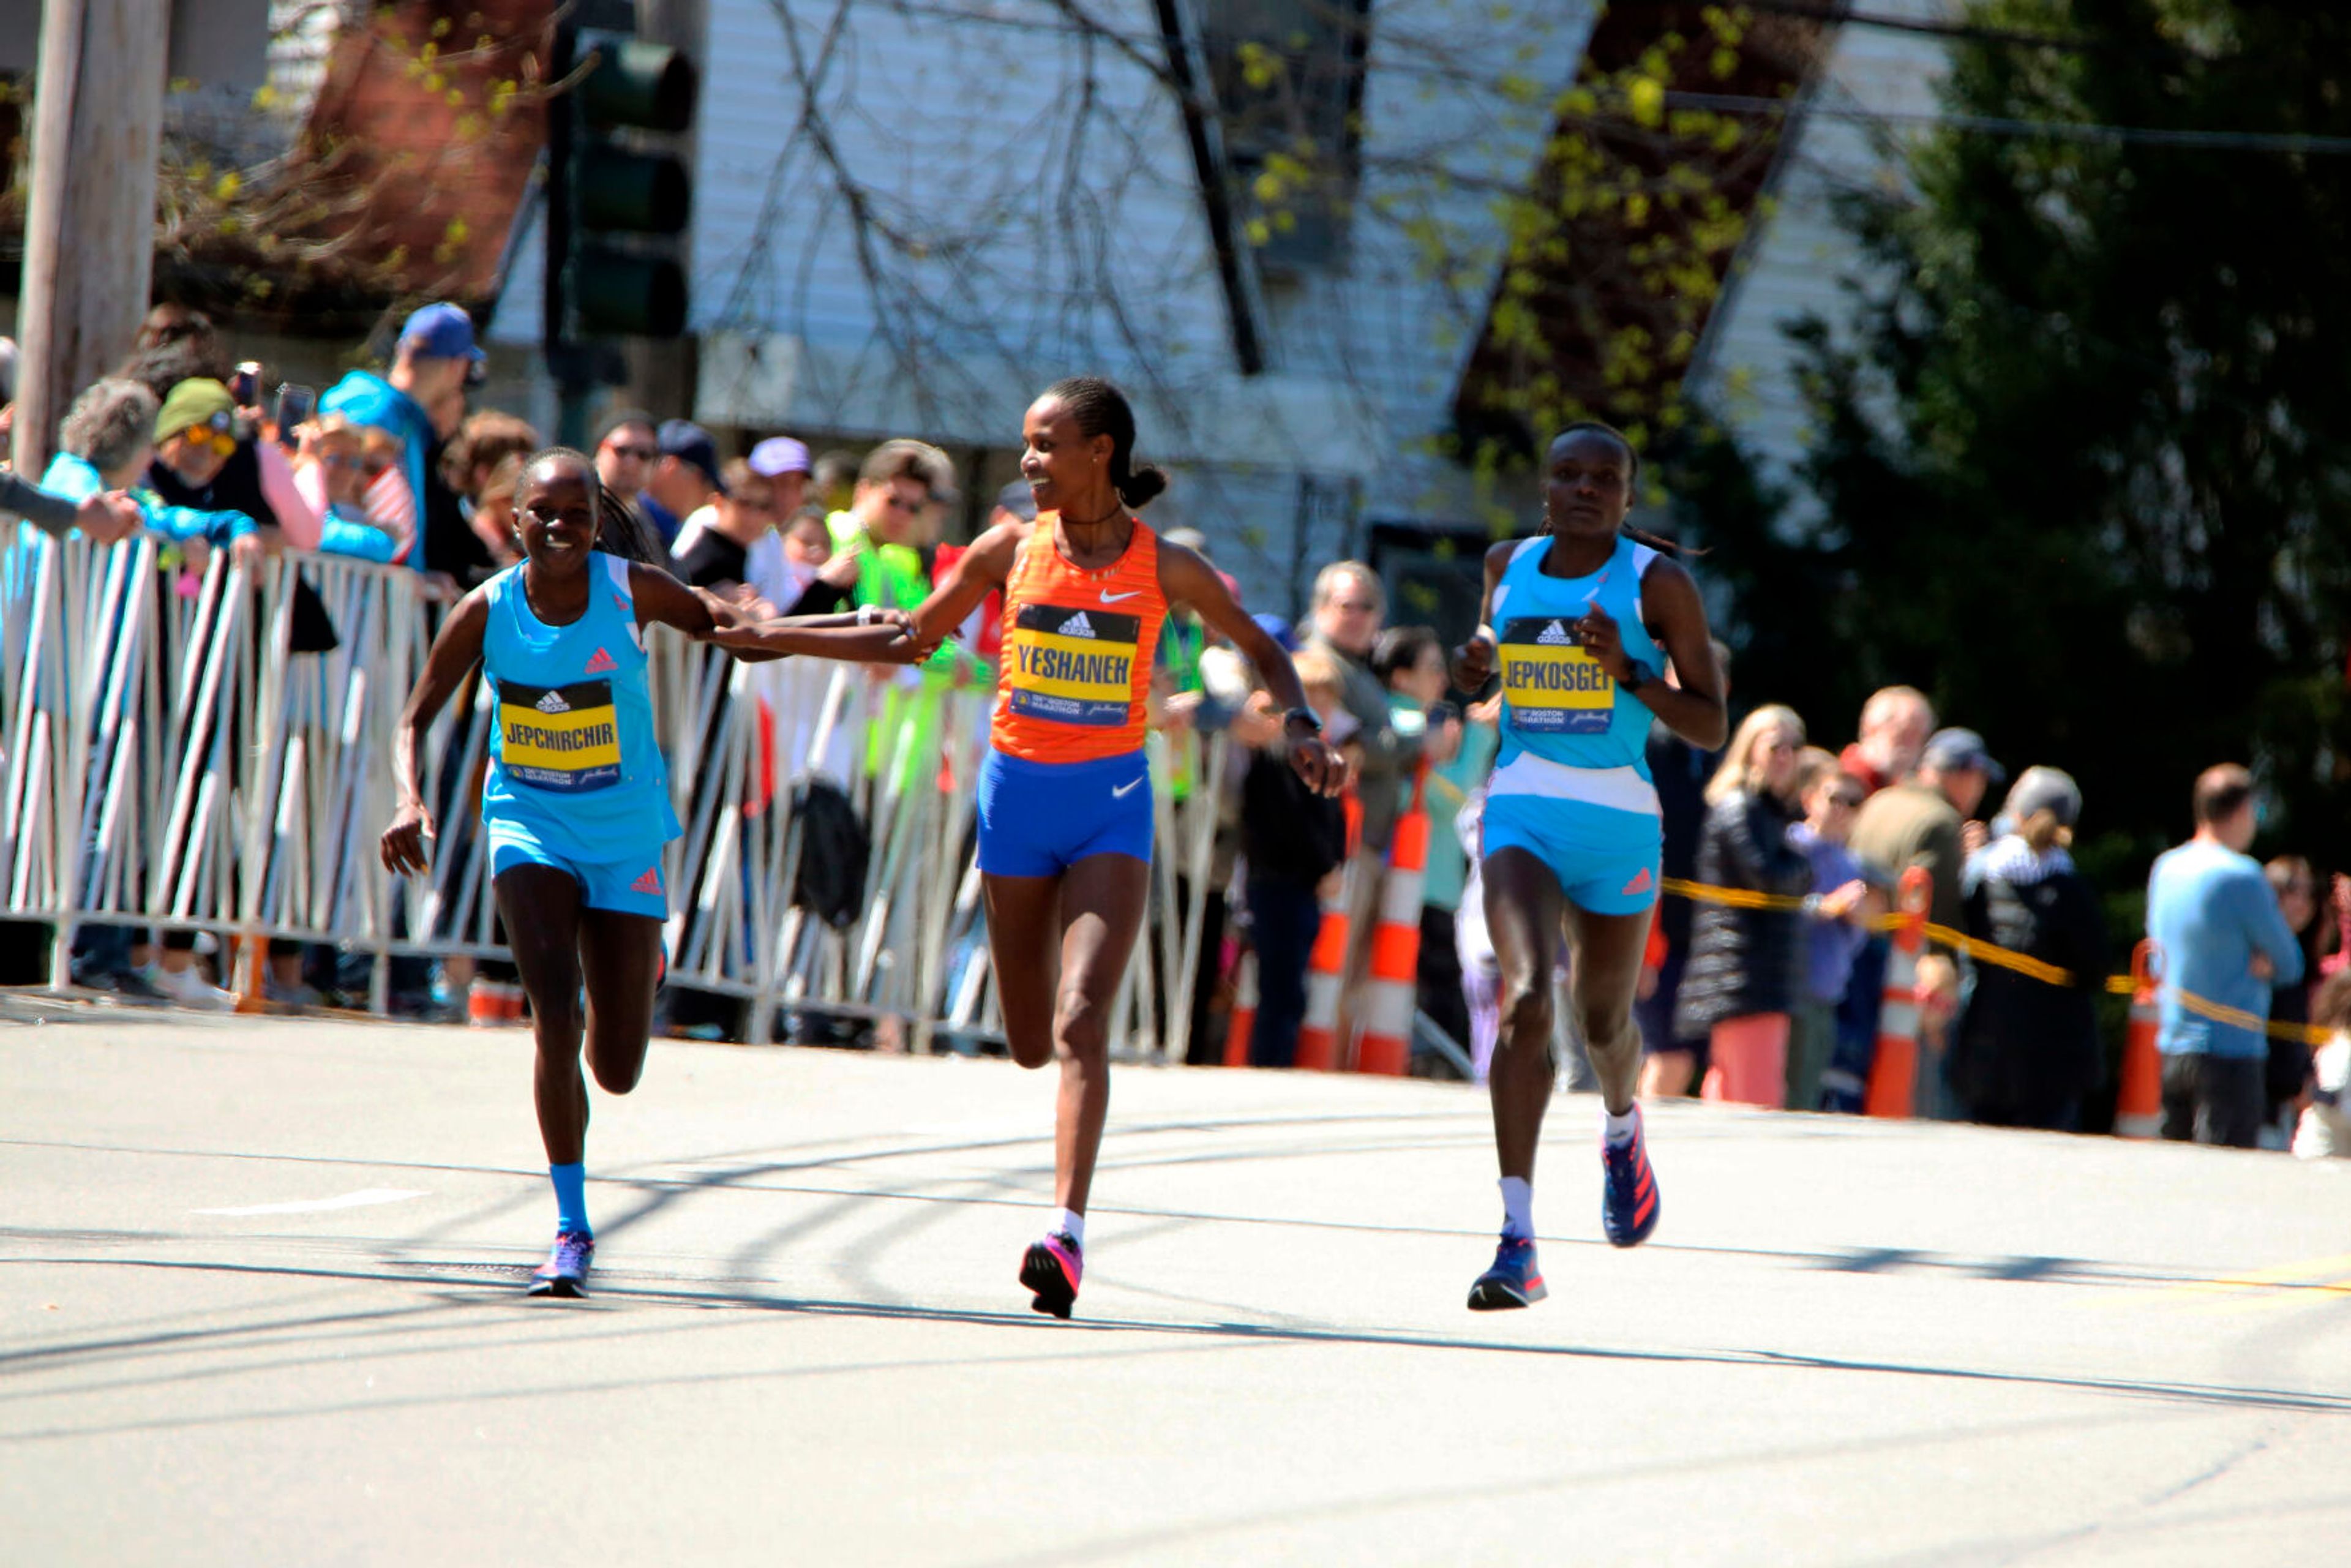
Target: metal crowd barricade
(170, 761)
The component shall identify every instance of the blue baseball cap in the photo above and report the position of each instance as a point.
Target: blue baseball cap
(691, 444)
(440, 332)
(1280, 629)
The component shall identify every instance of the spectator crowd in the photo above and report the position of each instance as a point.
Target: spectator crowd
(1763, 1001)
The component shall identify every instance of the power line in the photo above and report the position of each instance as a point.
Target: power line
(1996, 125)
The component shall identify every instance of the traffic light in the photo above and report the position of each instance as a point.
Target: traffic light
(616, 197)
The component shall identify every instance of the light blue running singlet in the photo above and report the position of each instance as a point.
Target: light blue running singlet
(1559, 707)
(572, 757)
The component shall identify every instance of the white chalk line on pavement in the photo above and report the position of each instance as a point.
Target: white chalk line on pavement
(364, 1198)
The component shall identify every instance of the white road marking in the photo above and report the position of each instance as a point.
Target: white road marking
(361, 1199)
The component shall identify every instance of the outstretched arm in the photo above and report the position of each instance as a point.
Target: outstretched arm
(455, 651)
(662, 600)
(873, 636)
(1185, 578)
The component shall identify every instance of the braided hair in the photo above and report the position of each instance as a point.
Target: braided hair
(620, 529)
(1098, 408)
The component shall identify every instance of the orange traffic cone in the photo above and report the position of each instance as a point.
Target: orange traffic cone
(2138, 1106)
(1895, 1070)
(1394, 990)
(1326, 966)
(1243, 1021)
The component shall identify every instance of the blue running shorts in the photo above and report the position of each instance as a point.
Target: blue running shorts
(1038, 819)
(625, 887)
(1606, 860)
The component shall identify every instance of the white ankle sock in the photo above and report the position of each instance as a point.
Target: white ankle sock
(1518, 1208)
(1619, 1129)
(1071, 1224)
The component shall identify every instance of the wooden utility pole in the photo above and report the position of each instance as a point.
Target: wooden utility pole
(89, 230)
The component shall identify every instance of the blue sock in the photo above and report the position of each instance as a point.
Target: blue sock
(571, 1199)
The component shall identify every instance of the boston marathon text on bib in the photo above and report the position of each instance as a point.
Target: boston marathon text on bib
(1553, 686)
(564, 738)
(1071, 664)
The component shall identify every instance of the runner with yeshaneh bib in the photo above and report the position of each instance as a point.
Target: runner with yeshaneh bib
(576, 802)
(1589, 621)
(1065, 814)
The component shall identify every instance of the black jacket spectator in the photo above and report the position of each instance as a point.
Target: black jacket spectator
(2027, 1050)
(236, 488)
(1744, 961)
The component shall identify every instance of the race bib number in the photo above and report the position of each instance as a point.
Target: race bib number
(1553, 686)
(564, 738)
(1072, 666)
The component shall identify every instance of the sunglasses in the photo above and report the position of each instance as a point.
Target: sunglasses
(899, 504)
(641, 454)
(1850, 802)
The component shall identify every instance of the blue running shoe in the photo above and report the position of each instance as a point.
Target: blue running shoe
(565, 1272)
(1512, 1281)
(1051, 1269)
(1628, 1188)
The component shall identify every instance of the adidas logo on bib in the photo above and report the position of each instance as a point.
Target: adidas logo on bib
(1555, 636)
(552, 702)
(601, 663)
(1078, 626)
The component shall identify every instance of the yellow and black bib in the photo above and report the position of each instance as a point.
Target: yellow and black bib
(1074, 664)
(562, 738)
(1553, 686)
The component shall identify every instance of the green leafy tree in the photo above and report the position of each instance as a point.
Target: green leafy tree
(2084, 468)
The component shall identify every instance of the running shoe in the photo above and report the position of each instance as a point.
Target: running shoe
(188, 989)
(1514, 1280)
(1628, 1188)
(565, 1272)
(1051, 1269)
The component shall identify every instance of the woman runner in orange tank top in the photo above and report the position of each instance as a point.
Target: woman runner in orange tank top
(1065, 812)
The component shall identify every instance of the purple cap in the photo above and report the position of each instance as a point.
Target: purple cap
(779, 454)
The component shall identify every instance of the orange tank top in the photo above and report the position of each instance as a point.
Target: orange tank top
(1077, 645)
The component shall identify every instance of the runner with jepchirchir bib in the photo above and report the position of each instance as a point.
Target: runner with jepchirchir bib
(1582, 624)
(1065, 814)
(576, 803)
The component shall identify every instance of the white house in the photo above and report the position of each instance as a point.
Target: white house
(911, 215)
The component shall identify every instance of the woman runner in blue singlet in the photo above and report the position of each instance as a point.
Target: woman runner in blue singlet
(576, 803)
(1581, 622)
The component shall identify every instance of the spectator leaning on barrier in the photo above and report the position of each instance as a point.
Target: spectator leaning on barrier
(2219, 936)
(332, 472)
(2323, 1130)
(1745, 964)
(1894, 725)
(105, 443)
(418, 403)
(2027, 1051)
(1837, 911)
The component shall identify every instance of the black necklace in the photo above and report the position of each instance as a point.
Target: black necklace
(1116, 508)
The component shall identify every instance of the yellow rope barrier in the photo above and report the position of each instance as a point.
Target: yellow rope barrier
(1992, 953)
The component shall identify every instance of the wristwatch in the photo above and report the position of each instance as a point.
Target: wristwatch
(1641, 677)
(1304, 716)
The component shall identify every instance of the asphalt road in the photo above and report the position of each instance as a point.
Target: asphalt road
(260, 1302)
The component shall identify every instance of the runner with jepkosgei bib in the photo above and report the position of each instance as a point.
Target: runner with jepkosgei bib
(1580, 623)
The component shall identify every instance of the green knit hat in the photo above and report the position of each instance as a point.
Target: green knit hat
(193, 403)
